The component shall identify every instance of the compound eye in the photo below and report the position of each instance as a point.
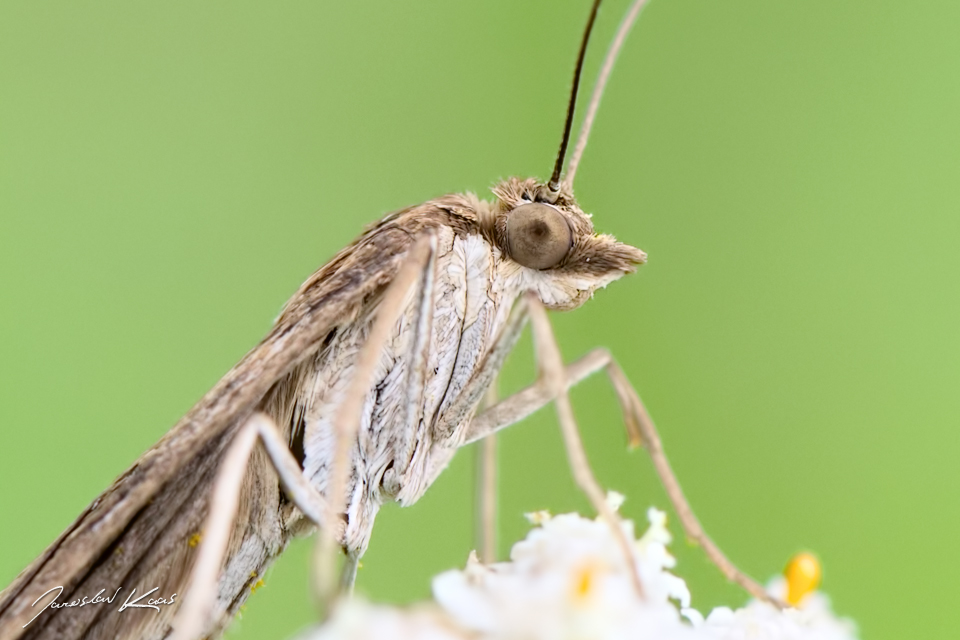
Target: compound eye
(538, 236)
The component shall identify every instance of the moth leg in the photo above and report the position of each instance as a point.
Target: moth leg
(346, 420)
(552, 373)
(635, 414)
(483, 385)
(486, 507)
(192, 618)
(641, 430)
(416, 357)
(348, 574)
(518, 406)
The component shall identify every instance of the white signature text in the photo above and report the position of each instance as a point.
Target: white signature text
(132, 601)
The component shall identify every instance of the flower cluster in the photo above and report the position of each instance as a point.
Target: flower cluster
(568, 580)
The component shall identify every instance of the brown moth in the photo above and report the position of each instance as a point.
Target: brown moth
(365, 388)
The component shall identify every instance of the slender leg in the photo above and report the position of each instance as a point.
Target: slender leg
(486, 508)
(348, 573)
(484, 385)
(641, 430)
(346, 421)
(515, 408)
(631, 405)
(417, 357)
(551, 371)
(191, 620)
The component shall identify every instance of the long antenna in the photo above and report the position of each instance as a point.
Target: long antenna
(608, 63)
(554, 184)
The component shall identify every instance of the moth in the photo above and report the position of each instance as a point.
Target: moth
(368, 383)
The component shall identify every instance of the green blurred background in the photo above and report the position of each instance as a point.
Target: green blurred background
(170, 172)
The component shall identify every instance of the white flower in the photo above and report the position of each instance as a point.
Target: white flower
(760, 621)
(569, 580)
(360, 620)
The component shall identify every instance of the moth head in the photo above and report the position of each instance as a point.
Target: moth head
(548, 241)
(549, 244)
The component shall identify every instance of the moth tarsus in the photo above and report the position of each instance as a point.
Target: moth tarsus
(367, 384)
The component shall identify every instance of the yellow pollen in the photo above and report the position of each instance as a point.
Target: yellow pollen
(803, 576)
(583, 582)
(256, 585)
